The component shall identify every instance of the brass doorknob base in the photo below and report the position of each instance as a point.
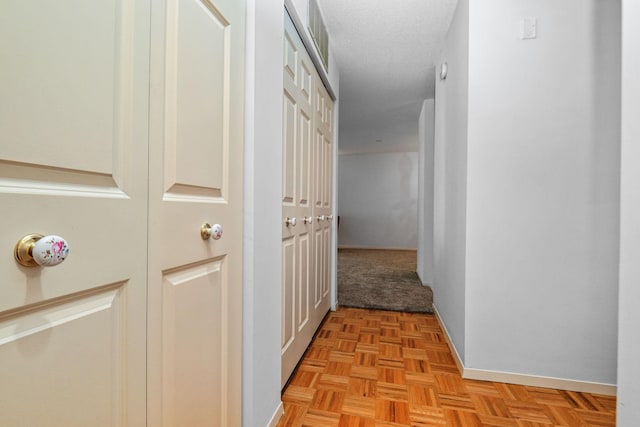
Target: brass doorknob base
(23, 251)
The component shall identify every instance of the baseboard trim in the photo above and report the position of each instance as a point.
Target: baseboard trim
(447, 337)
(523, 379)
(539, 381)
(276, 416)
(376, 248)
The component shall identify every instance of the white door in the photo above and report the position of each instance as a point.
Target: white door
(305, 230)
(195, 285)
(73, 162)
(322, 208)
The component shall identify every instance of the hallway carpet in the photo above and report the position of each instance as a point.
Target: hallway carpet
(382, 280)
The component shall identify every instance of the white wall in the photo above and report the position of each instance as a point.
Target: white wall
(542, 197)
(263, 160)
(302, 9)
(261, 355)
(450, 179)
(628, 409)
(425, 191)
(377, 200)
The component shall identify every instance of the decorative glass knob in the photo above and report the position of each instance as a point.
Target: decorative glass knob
(36, 249)
(308, 220)
(211, 231)
(290, 222)
(330, 217)
(320, 218)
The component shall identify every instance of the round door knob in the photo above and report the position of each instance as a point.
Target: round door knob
(308, 220)
(36, 249)
(290, 222)
(320, 218)
(330, 217)
(211, 231)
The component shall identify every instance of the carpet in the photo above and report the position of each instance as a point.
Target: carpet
(381, 280)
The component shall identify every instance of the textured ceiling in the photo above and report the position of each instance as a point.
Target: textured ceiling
(386, 52)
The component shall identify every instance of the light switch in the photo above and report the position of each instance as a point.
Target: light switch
(528, 28)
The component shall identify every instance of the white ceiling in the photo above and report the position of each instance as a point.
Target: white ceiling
(386, 52)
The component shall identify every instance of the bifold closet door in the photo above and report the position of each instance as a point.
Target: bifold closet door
(305, 225)
(126, 160)
(322, 208)
(195, 219)
(74, 93)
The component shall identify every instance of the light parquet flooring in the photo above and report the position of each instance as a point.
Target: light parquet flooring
(368, 368)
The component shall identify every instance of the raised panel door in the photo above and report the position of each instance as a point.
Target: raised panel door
(196, 143)
(298, 279)
(323, 196)
(73, 162)
(305, 243)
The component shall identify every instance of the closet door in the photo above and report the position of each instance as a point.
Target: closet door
(195, 269)
(73, 162)
(322, 209)
(305, 251)
(297, 213)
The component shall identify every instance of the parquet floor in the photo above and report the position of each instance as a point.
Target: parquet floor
(370, 368)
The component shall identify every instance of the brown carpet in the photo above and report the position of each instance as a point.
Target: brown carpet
(381, 280)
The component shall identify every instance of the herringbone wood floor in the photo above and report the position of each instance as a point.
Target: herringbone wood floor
(370, 368)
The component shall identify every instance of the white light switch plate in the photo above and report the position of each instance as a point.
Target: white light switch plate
(528, 28)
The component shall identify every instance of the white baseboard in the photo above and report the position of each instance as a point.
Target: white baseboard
(447, 337)
(276, 416)
(376, 248)
(539, 381)
(523, 379)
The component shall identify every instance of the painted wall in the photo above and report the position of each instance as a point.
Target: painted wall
(302, 8)
(425, 191)
(628, 410)
(262, 266)
(543, 190)
(450, 179)
(378, 200)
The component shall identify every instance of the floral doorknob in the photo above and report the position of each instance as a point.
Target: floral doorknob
(50, 251)
(216, 231)
(46, 251)
(211, 231)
